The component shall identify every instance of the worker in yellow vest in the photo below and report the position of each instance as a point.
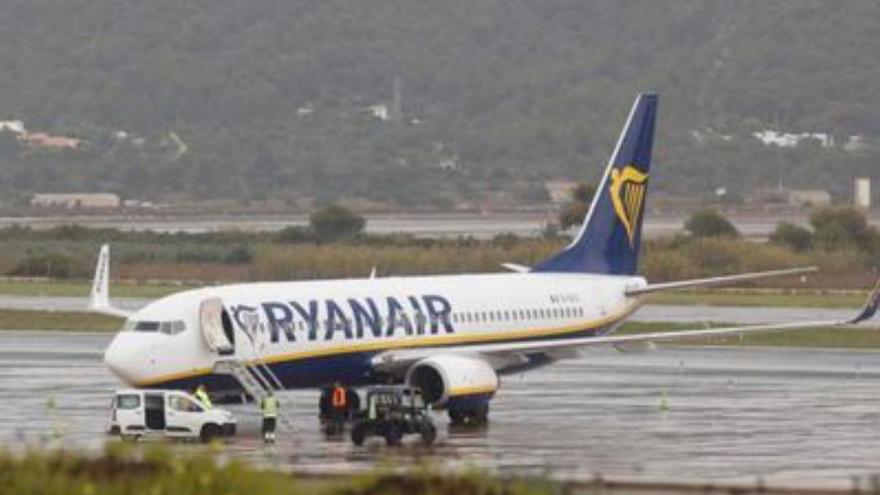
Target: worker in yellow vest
(269, 407)
(202, 395)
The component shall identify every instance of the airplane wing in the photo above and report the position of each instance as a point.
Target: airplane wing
(99, 298)
(396, 359)
(723, 280)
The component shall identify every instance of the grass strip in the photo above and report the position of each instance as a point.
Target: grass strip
(760, 298)
(15, 319)
(831, 337)
(81, 288)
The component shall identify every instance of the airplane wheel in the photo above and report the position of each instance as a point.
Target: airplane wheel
(476, 416)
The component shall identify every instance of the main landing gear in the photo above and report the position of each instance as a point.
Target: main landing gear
(469, 416)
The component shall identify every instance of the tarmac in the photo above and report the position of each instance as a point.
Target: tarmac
(724, 414)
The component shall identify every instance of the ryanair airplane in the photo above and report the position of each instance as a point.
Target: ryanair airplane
(452, 336)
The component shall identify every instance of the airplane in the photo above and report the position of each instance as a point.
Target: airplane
(453, 336)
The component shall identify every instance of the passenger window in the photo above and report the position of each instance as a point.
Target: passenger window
(128, 401)
(146, 326)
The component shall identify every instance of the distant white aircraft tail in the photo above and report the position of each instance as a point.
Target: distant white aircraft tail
(99, 299)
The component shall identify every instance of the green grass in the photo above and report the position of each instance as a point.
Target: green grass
(160, 470)
(13, 319)
(81, 288)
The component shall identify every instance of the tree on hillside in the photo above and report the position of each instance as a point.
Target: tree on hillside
(335, 222)
(710, 223)
(575, 211)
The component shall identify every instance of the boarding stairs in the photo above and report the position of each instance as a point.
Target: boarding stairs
(257, 379)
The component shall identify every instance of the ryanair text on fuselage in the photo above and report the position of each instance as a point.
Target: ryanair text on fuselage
(352, 318)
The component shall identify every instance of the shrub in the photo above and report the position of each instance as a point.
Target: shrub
(336, 222)
(793, 236)
(710, 223)
(840, 228)
(574, 212)
(238, 255)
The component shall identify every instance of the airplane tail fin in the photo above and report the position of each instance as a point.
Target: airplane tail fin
(99, 298)
(609, 239)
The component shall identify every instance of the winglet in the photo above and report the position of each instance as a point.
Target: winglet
(99, 298)
(870, 308)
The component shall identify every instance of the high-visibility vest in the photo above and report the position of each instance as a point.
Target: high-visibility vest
(270, 407)
(203, 398)
(338, 397)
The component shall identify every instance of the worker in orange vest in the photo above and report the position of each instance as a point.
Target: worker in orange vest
(339, 401)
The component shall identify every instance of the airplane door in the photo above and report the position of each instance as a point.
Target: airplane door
(216, 327)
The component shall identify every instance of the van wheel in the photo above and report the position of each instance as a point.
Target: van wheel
(210, 432)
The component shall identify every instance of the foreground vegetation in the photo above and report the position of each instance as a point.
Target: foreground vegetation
(159, 471)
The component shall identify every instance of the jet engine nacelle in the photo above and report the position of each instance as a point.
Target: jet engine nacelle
(444, 379)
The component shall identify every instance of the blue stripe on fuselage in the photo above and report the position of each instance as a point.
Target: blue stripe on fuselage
(351, 368)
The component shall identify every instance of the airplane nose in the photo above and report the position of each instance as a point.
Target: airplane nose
(124, 357)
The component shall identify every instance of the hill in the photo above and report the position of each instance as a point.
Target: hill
(188, 99)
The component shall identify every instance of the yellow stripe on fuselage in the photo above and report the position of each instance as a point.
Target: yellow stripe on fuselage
(461, 391)
(406, 343)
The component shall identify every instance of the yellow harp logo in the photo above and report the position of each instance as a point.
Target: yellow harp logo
(628, 195)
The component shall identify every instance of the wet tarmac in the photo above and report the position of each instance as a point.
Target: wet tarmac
(721, 413)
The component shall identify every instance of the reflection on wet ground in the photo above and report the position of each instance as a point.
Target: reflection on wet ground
(675, 413)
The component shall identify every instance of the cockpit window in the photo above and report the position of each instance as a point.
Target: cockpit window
(166, 327)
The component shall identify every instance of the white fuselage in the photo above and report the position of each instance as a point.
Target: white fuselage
(318, 332)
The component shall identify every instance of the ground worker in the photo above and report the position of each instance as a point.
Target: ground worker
(202, 395)
(269, 406)
(339, 401)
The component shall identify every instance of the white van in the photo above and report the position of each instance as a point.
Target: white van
(167, 413)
